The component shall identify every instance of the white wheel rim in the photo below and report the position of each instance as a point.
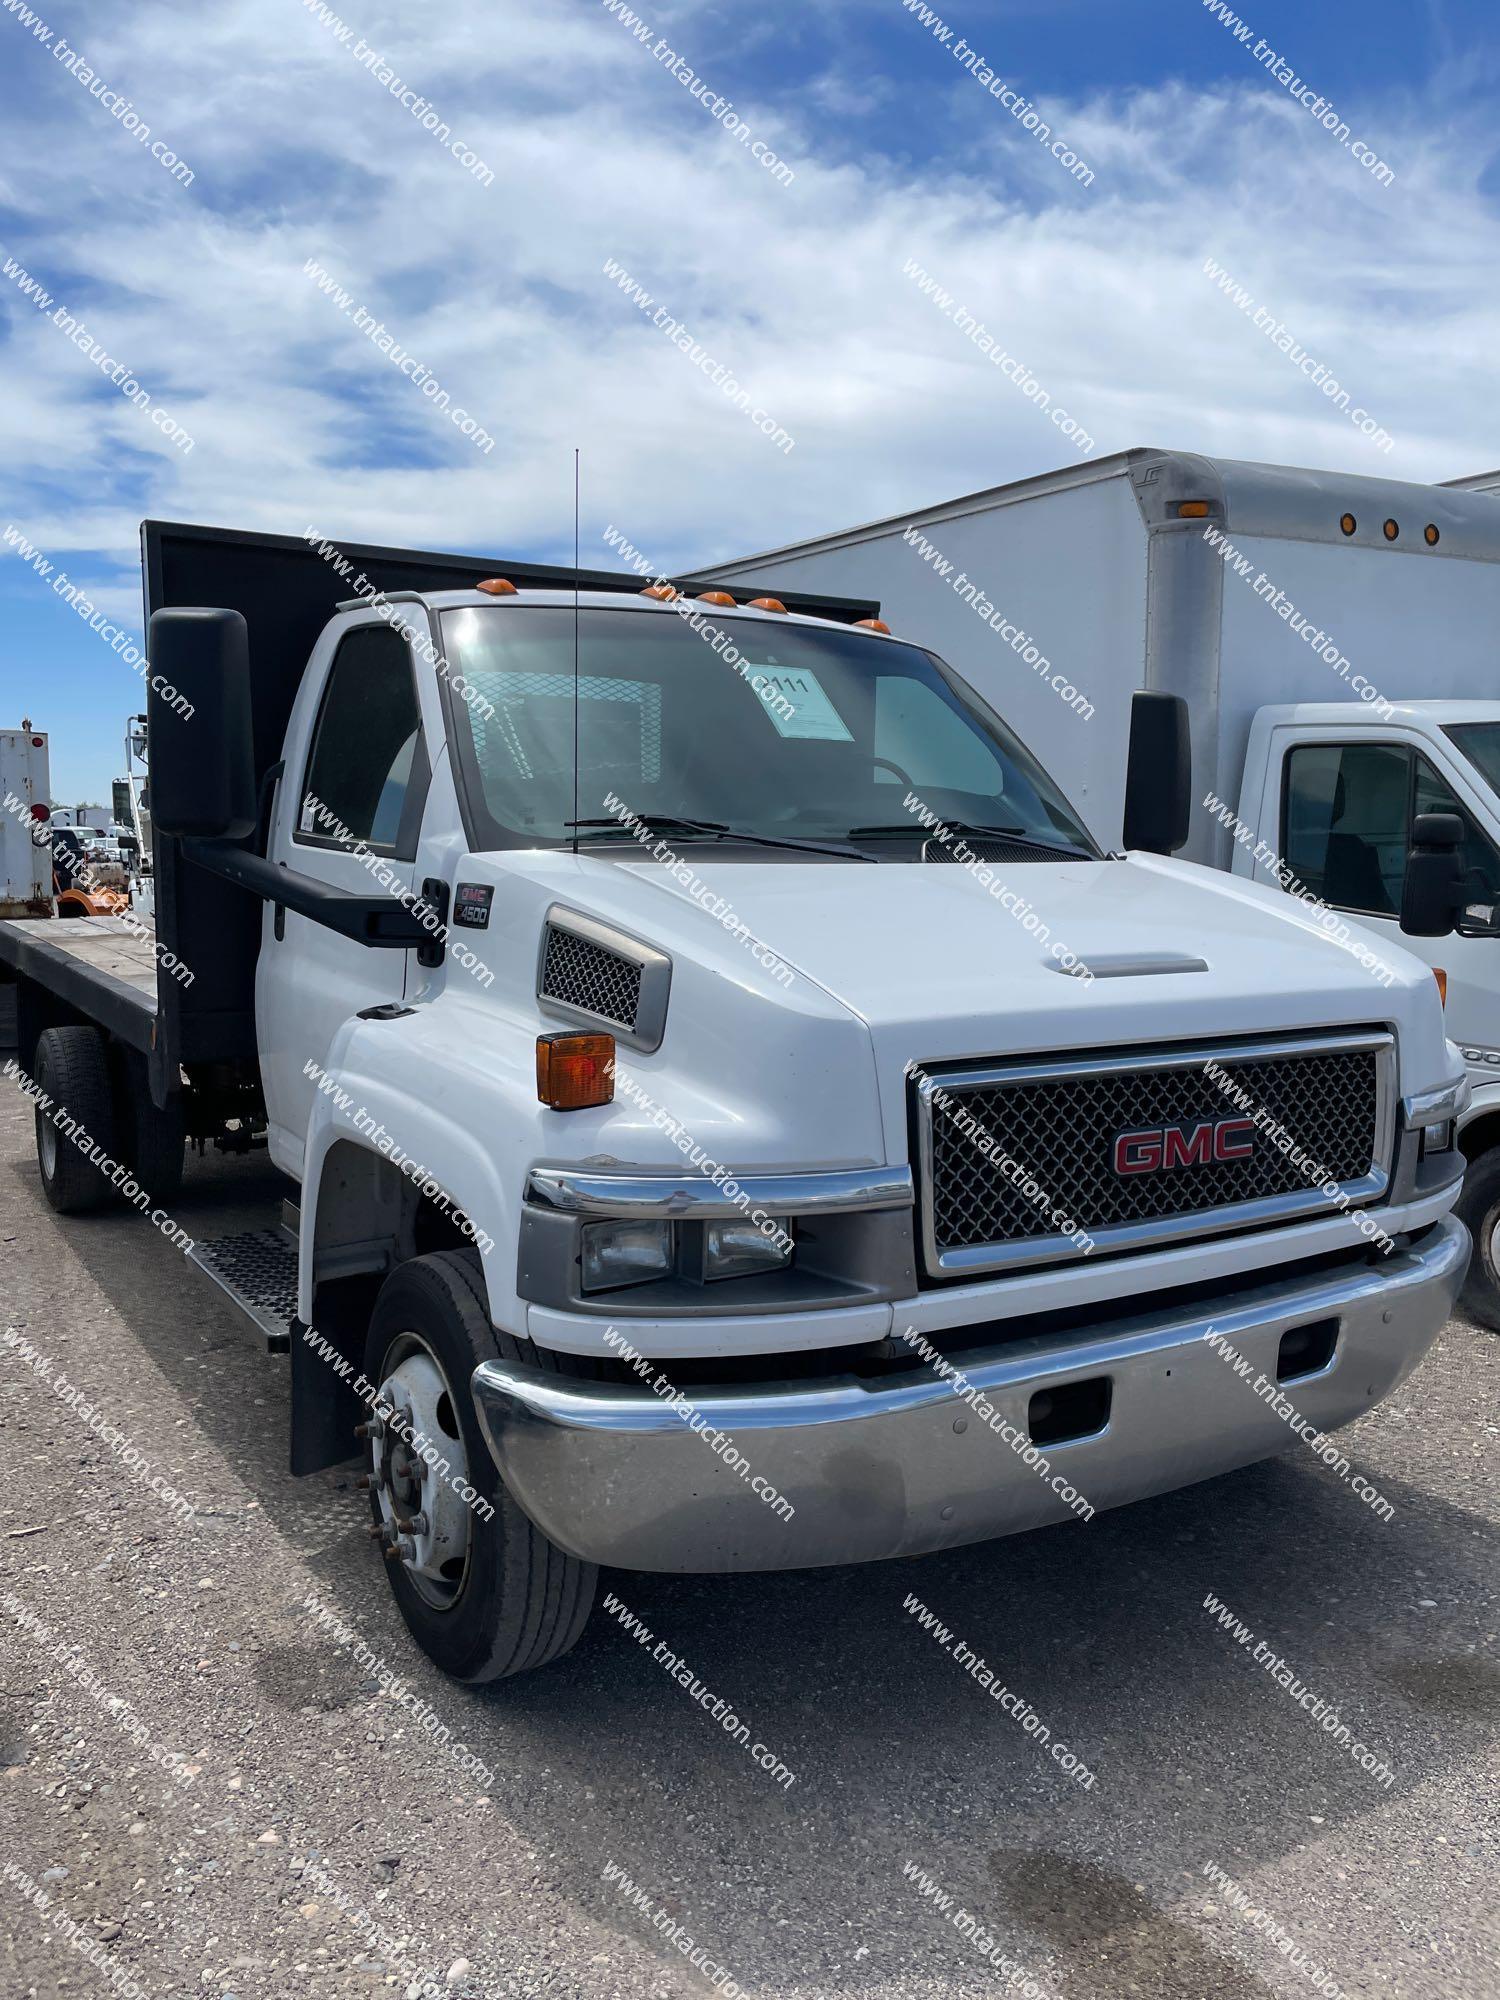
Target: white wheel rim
(1494, 1242)
(46, 1145)
(419, 1465)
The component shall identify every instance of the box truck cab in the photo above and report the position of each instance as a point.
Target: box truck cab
(676, 1124)
(1334, 636)
(1334, 795)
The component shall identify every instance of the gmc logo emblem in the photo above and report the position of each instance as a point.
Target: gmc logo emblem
(1158, 1147)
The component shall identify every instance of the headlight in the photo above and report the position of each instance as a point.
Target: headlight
(744, 1249)
(625, 1253)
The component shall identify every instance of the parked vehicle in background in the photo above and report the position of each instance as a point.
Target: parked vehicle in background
(1335, 639)
(671, 1118)
(25, 805)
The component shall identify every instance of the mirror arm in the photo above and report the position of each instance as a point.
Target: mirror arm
(378, 921)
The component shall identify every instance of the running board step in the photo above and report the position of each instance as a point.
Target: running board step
(257, 1269)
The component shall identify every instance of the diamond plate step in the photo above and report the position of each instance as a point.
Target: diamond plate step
(258, 1270)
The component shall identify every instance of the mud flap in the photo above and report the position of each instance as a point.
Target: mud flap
(326, 1361)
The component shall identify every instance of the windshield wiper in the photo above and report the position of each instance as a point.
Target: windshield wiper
(963, 831)
(655, 823)
(713, 829)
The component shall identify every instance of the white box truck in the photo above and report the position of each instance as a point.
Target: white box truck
(690, 1169)
(1336, 638)
(25, 806)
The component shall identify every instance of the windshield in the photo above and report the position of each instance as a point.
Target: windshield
(1480, 743)
(784, 734)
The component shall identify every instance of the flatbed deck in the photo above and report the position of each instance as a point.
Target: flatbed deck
(104, 968)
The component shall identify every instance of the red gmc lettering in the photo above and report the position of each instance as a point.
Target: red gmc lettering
(1162, 1146)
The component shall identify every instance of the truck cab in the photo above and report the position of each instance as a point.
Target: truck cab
(1330, 800)
(735, 1116)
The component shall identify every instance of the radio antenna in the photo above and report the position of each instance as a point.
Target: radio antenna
(576, 687)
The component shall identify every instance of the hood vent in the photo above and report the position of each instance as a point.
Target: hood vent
(993, 849)
(591, 972)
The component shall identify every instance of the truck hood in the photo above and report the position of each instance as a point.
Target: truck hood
(931, 959)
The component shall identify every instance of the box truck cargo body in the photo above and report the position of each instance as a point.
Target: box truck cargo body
(25, 799)
(1232, 584)
(1336, 639)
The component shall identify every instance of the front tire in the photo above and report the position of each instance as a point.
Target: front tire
(1479, 1207)
(72, 1069)
(482, 1589)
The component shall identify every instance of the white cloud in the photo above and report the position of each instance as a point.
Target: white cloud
(598, 153)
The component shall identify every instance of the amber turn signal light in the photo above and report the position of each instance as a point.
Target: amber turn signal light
(1192, 510)
(1442, 983)
(766, 604)
(575, 1072)
(872, 625)
(498, 586)
(714, 597)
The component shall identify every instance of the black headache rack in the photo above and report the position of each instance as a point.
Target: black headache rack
(287, 589)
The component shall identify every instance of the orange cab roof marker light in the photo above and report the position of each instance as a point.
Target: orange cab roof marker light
(767, 604)
(714, 597)
(498, 586)
(664, 591)
(872, 625)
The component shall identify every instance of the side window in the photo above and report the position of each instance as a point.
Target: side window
(1345, 823)
(365, 745)
(1481, 863)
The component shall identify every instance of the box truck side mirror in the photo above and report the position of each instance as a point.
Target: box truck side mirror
(202, 751)
(1159, 774)
(1432, 893)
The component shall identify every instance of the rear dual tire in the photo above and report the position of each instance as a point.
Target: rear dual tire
(106, 1095)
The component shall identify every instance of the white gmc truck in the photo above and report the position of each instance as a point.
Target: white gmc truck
(675, 1116)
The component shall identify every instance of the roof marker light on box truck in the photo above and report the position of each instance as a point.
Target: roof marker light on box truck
(767, 604)
(1391, 530)
(1430, 535)
(498, 586)
(1348, 523)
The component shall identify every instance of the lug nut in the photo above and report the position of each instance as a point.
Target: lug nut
(374, 1429)
(417, 1525)
(401, 1551)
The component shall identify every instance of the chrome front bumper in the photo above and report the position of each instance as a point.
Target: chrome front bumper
(614, 1474)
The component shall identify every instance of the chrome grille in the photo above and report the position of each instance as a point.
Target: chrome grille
(580, 973)
(1016, 1156)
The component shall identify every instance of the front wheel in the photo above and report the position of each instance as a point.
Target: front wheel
(483, 1590)
(1479, 1207)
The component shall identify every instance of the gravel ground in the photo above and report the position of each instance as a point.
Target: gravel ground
(325, 1846)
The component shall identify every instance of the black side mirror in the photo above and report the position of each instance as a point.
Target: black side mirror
(1159, 774)
(202, 753)
(1432, 894)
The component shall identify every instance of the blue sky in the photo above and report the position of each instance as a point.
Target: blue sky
(597, 152)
